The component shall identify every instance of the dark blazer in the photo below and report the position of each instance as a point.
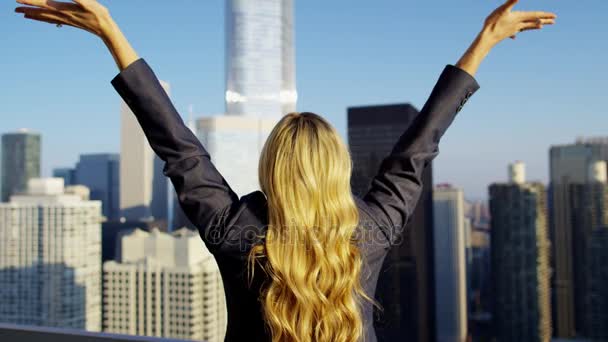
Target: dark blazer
(230, 225)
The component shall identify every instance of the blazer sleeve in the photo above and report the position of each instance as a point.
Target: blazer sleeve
(396, 188)
(203, 193)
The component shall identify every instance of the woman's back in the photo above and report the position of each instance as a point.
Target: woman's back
(231, 226)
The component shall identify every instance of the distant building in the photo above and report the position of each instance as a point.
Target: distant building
(595, 313)
(100, 173)
(20, 161)
(112, 231)
(235, 144)
(144, 190)
(569, 164)
(450, 267)
(260, 52)
(589, 207)
(50, 258)
(68, 175)
(520, 261)
(165, 285)
(406, 284)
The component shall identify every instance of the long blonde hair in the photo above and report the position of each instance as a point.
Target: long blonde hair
(309, 253)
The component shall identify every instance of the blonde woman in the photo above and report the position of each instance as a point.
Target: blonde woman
(300, 258)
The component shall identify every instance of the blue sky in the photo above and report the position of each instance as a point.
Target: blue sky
(544, 88)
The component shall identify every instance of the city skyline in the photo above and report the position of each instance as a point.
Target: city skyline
(333, 73)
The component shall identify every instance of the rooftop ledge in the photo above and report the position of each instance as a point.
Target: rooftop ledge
(22, 333)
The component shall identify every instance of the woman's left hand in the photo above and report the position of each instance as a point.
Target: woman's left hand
(88, 15)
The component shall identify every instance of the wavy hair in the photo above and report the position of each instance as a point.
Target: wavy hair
(309, 253)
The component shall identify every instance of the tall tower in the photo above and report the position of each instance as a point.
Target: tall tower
(450, 269)
(406, 282)
(260, 65)
(144, 191)
(569, 164)
(20, 161)
(520, 261)
(50, 257)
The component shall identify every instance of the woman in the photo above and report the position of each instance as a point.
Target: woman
(299, 259)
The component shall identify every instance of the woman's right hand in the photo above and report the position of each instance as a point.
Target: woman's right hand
(88, 15)
(505, 23)
(502, 23)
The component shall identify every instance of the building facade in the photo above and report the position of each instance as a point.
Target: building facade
(450, 266)
(68, 175)
(101, 174)
(406, 284)
(50, 258)
(520, 262)
(165, 285)
(569, 164)
(260, 65)
(235, 144)
(20, 161)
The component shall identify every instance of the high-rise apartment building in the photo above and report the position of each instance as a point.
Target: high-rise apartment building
(165, 285)
(569, 164)
(589, 207)
(260, 66)
(406, 283)
(450, 267)
(520, 261)
(50, 257)
(20, 161)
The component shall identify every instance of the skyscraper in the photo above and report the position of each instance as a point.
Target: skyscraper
(165, 285)
(20, 161)
(406, 282)
(260, 66)
(569, 164)
(450, 268)
(520, 261)
(50, 258)
(144, 190)
(589, 208)
(100, 173)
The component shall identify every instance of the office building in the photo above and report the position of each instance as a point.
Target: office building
(520, 261)
(450, 266)
(100, 173)
(20, 161)
(569, 164)
(260, 66)
(50, 257)
(144, 190)
(68, 175)
(406, 283)
(165, 285)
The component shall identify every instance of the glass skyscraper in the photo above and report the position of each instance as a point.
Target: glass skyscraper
(20, 161)
(260, 66)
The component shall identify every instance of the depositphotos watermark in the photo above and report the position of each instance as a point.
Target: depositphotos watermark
(242, 237)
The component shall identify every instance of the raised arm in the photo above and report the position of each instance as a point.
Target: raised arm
(397, 187)
(202, 191)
